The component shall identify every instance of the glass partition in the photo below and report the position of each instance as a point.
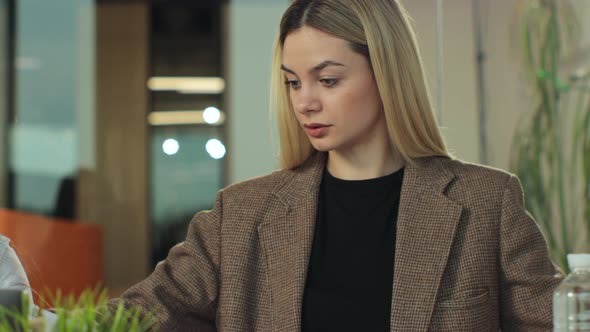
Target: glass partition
(50, 132)
(187, 144)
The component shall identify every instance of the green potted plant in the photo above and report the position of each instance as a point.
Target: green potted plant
(87, 313)
(551, 150)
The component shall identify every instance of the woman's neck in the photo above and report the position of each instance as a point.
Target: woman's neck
(368, 164)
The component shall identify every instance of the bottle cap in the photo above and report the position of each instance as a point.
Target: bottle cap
(578, 260)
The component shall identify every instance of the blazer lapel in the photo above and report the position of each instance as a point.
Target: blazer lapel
(287, 242)
(426, 225)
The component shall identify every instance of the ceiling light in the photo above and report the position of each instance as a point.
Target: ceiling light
(194, 85)
(169, 118)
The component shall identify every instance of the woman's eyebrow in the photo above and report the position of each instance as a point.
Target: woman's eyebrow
(316, 68)
(325, 64)
(283, 68)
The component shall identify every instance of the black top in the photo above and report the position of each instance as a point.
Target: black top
(350, 273)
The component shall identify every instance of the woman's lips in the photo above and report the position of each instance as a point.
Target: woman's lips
(316, 130)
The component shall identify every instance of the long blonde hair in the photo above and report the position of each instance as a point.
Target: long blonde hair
(380, 30)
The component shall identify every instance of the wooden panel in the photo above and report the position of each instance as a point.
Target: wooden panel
(56, 254)
(122, 161)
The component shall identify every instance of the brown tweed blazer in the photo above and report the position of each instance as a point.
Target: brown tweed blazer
(468, 256)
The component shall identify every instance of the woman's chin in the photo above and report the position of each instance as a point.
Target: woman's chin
(321, 147)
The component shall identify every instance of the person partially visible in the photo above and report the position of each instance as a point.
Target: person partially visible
(12, 273)
(13, 276)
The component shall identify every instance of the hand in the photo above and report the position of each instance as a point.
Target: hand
(37, 324)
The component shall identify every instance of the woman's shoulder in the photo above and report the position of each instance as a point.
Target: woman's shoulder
(258, 186)
(471, 185)
(468, 176)
(298, 179)
(467, 169)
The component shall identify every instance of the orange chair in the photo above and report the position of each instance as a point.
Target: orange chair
(56, 254)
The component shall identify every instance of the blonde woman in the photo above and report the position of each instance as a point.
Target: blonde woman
(370, 225)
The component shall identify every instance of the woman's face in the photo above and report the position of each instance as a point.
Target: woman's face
(333, 91)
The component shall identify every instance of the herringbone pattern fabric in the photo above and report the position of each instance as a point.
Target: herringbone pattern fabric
(468, 256)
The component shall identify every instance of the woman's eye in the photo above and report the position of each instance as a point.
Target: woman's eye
(329, 82)
(293, 84)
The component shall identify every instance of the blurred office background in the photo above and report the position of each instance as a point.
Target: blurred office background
(130, 115)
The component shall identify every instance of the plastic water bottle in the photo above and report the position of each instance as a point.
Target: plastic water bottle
(571, 299)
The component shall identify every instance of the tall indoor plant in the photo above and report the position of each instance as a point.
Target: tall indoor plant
(551, 150)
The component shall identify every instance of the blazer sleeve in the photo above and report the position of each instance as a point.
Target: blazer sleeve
(182, 291)
(528, 276)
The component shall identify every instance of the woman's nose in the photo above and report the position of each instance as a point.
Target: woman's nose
(307, 102)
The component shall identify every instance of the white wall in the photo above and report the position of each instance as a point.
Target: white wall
(507, 96)
(253, 25)
(459, 109)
